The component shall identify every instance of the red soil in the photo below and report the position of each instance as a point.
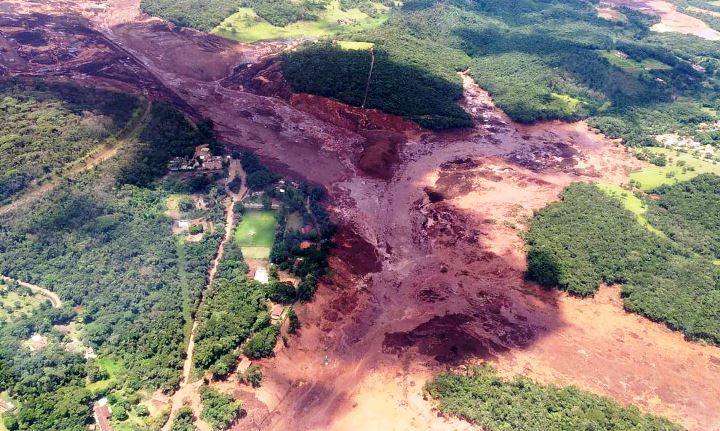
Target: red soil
(429, 268)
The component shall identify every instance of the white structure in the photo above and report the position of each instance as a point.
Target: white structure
(261, 275)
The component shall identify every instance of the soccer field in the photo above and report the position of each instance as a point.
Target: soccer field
(255, 233)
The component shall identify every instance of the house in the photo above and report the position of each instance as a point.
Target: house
(101, 414)
(202, 153)
(6, 406)
(276, 312)
(214, 163)
(304, 245)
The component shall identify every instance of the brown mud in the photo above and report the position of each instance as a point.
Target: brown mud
(429, 270)
(671, 20)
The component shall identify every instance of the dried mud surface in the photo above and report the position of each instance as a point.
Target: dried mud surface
(671, 20)
(428, 272)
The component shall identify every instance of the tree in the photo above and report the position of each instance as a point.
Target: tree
(252, 376)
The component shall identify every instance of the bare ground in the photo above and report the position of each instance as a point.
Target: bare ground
(428, 272)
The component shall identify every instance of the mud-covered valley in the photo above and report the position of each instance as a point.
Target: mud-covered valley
(428, 271)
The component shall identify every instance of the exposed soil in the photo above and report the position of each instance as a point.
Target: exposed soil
(429, 269)
(671, 20)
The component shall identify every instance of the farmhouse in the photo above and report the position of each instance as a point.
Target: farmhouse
(276, 312)
(202, 160)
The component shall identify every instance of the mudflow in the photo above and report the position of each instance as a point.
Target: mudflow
(428, 268)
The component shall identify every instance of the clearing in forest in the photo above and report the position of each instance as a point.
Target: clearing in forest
(255, 233)
(246, 26)
(681, 166)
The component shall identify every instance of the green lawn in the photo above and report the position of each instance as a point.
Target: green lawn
(113, 368)
(632, 203)
(246, 26)
(255, 233)
(654, 176)
(631, 66)
(12, 304)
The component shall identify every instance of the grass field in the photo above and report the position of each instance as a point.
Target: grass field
(631, 66)
(632, 203)
(255, 233)
(246, 26)
(654, 176)
(113, 368)
(16, 305)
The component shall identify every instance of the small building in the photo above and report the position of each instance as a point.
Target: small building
(276, 312)
(203, 153)
(304, 245)
(6, 406)
(261, 275)
(184, 224)
(102, 414)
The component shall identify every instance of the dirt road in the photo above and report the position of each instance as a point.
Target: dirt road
(51, 296)
(188, 391)
(85, 164)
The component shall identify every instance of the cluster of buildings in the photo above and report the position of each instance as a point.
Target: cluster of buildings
(686, 143)
(202, 160)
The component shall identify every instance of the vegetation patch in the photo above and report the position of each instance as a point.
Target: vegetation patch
(485, 398)
(103, 243)
(256, 232)
(17, 301)
(589, 238)
(46, 126)
(632, 203)
(219, 410)
(395, 85)
(286, 19)
(678, 167)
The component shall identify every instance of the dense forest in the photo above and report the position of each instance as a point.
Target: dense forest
(483, 397)
(396, 85)
(538, 59)
(103, 242)
(200, 14)
(589, 238)
(46, 126)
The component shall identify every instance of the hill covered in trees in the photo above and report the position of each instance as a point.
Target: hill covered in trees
(103, 242)
(538, 59)
(668, 275)
(46, 126)
(483, 397)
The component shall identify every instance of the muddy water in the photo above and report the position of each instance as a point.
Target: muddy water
(429, 268)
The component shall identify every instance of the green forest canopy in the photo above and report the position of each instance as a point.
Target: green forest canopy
(44, 126)
(102, 241)
(483, 397)
(589, 238)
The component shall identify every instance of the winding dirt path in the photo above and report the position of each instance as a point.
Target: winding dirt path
(84, 164)
(49, 295)
(189, 391)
